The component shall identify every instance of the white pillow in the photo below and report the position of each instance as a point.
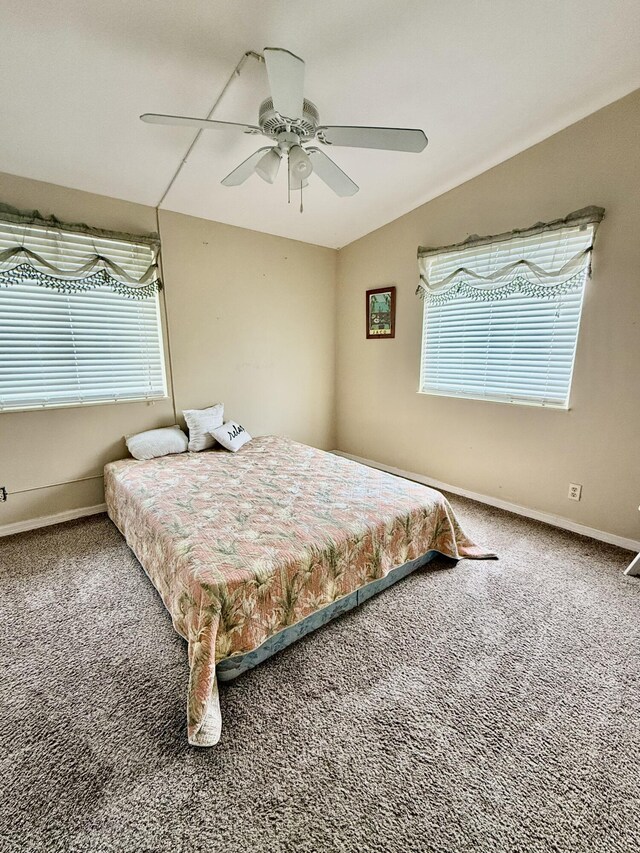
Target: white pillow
(157, 442)
(201, 423)
(231, 435)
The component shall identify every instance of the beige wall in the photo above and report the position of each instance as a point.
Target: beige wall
(251, 322)
(520, 454)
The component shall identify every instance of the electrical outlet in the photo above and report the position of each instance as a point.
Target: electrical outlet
(575, 491)
(3, 494)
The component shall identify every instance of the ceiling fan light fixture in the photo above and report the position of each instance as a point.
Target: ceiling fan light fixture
(297, 183)
(267, 167)
(299, 162)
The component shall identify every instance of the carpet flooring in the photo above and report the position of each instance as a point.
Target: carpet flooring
(483, 706)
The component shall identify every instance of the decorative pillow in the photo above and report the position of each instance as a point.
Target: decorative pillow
(201, 423)
(231, 435)
(157, 442)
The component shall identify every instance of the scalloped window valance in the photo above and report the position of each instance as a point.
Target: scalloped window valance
(73, 258)
(541, 261)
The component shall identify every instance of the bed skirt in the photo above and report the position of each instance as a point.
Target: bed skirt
(233, 666)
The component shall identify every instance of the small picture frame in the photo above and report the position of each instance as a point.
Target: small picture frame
(381, 312)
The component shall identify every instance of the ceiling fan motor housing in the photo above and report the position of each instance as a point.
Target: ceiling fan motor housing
(272, 124)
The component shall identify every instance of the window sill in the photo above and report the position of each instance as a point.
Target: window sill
(561, 407)
(75, 405)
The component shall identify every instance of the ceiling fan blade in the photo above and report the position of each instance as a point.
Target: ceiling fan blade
(385, 138)
(202, 123)
(286, 81)
(245, 169)
(331, 173)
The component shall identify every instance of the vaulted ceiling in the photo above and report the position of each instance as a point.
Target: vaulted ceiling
(483, 78)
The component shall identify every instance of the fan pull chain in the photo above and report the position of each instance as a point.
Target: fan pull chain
(301, 208)
(288, 182)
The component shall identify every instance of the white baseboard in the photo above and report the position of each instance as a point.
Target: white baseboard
(546, 517)
(47, 520)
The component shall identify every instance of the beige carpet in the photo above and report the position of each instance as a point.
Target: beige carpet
(489, 706)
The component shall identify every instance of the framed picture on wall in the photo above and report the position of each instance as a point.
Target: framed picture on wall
(381, 312)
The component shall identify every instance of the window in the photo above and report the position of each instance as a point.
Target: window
(79, 317)
(501, 314)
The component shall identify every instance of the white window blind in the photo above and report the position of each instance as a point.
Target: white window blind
(501, 318)
(63, 348)
(79, 319)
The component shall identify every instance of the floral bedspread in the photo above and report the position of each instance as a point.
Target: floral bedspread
(242, 545)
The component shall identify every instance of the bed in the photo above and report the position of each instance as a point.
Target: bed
(253, 549)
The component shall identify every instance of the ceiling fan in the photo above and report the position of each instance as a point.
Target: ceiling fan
(293, 123)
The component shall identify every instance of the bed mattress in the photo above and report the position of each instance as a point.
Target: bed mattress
(243, 546)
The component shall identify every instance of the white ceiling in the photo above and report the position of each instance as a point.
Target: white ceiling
(483, 78)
